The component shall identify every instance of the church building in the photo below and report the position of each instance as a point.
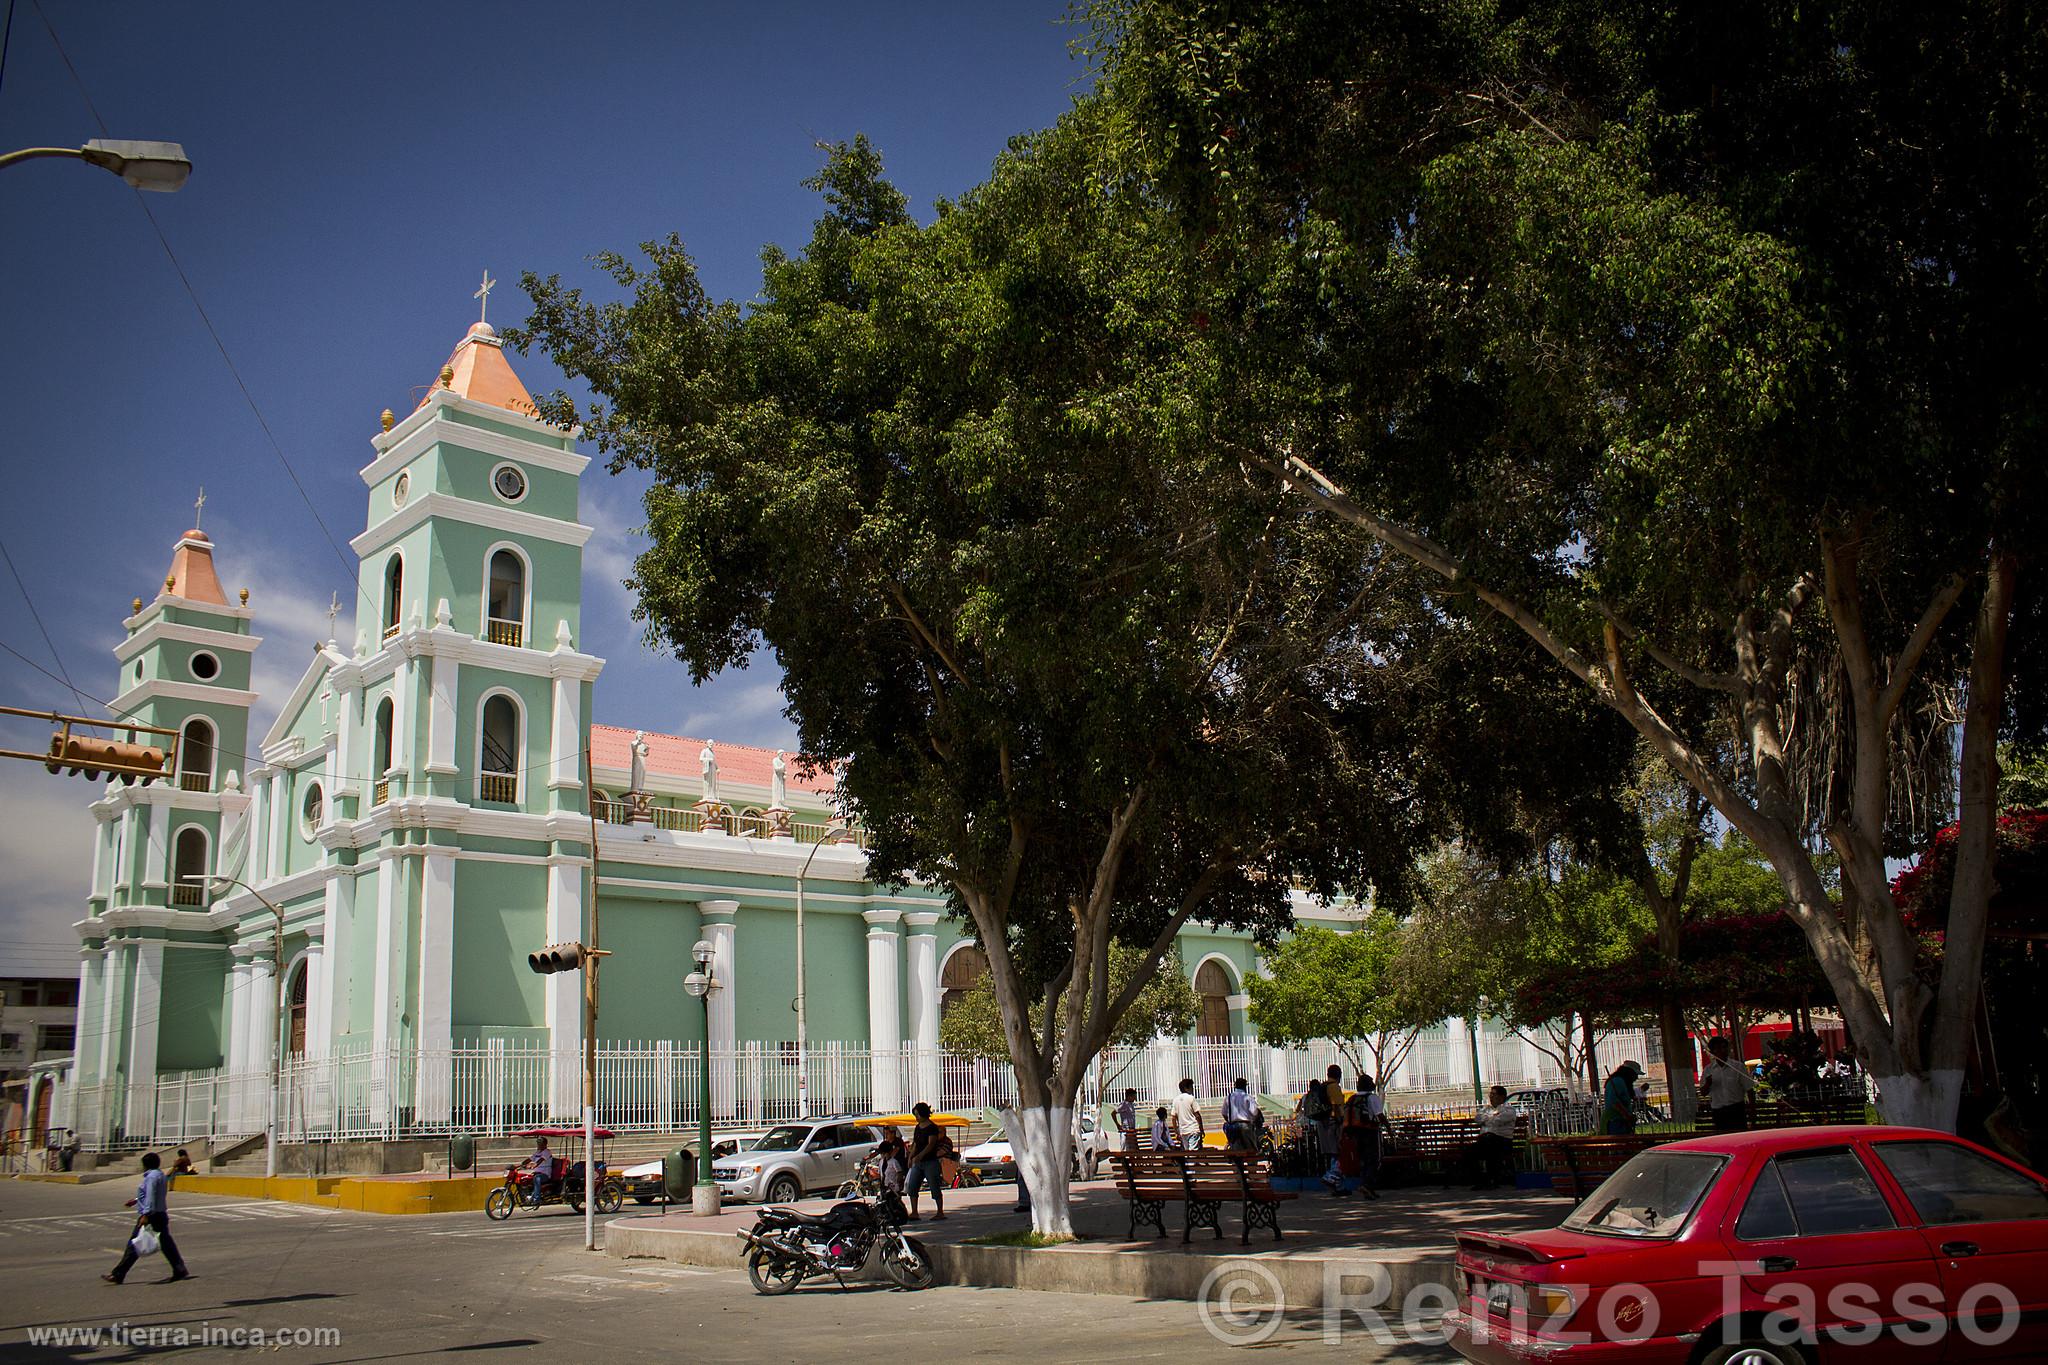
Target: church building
(358, 888)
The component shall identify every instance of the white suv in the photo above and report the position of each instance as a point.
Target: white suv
(794, 1159)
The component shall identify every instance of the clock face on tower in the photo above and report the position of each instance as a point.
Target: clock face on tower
(401, 490)
(510, 483)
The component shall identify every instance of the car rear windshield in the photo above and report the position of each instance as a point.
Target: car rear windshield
(1652, 1196)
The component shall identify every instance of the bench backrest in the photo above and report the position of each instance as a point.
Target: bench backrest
(1207, 1173)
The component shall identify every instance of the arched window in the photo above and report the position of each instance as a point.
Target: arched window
(380, 753)
(965, 965)
(498, 758)
(312, 810)
(189, 868)
(505, 599)
(1212, 988)
(394, 594)
(195, 757)
(296, 1036)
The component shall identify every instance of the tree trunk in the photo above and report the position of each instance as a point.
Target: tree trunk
(1042, 1140)
(1685, 1095)
(1592, 1055)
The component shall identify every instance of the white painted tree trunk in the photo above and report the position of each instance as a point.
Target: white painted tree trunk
(1042, 1140)
(1920, 1101)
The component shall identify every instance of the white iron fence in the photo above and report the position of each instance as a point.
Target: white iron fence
(657, 1087)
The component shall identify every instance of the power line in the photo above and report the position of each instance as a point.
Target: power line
(26, 597)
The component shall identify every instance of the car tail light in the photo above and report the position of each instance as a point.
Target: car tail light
(1549, 1300)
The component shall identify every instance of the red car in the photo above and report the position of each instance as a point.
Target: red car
(1791, 1246)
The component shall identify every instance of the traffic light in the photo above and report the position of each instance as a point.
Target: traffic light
(77, 754)
(556, 957)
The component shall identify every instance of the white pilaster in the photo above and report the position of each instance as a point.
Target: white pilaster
(565, 735)
(113, 989)
(563, 992)
(282, 814)
(384, 986)
(344, 761)
(1278, 1082)
(100, 834)
(157, 866)
(325, 1012)
(92, 983)
(262, 1034)
(436, 1029)
(885, 1023)
(721, 932)
(236, 1018)
(124, 849)
(145, 1005)
(1458, 1053)
(923, 952)
(441, 716)
(1166, 1074)
(258, 831)
(401, 716)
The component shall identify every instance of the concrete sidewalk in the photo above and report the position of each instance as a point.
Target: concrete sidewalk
(1359, 1249)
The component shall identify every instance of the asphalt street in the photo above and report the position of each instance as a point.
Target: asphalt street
(389, 1288)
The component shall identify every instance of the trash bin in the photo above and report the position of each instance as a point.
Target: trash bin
(461, 1152)
(679, 1173)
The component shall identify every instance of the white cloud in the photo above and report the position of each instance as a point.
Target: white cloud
(48, 865)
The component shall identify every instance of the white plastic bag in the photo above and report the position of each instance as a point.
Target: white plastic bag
(144, 1241)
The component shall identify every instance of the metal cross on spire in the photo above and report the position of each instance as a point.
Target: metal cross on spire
(333, 610)
(199, 507)
(483, 313)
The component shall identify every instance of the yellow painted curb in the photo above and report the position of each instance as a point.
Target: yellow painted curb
(362, 1194)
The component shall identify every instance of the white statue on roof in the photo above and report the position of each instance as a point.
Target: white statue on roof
(707, 761)
(639, 748)
(779, 786)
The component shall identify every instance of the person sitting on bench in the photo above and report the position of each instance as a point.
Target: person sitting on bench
(1494, 1149)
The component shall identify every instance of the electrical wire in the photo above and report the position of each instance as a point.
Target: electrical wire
(55, 657)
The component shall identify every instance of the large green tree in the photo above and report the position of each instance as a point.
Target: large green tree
(1695, 342)
(1085, 669)
(1354, 987)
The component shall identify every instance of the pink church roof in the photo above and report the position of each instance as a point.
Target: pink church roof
(675, 756)
(477, 369)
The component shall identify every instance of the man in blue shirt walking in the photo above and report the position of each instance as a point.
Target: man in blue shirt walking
(152, 1210)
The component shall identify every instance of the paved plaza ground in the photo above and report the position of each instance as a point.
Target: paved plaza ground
(407, 1288)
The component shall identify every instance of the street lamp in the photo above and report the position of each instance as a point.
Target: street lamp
(276, 1033)
(159, 166)
(700, 983)
(833, 831)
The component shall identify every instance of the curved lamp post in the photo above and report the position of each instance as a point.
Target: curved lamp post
(159, 166)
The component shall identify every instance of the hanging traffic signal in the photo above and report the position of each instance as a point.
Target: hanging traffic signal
(77, 754)
(556, 957)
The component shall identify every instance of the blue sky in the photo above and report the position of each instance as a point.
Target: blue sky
(356, 169)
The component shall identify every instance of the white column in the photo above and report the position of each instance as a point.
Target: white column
(563, 993)
(436, 1027)
(923, 946)
(281, 816)
(113, 987)
(145, 1005)
(235, 1017)
(401, 716)
(326, 1010)
(885, 1025)
(124, 850)
(262, 1035)
(384, 986)
(1458, 1053)
(92, 982)
(1278, 1082)
(441, 716)
(258, 831)
(342, 763)
(720, 930)
(99, 859)
(1166, 1073)
(157, 868)
(565, 735)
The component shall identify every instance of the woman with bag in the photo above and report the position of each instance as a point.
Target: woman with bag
(152, 1224)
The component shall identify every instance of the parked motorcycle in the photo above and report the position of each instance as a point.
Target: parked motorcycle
(786, 1247)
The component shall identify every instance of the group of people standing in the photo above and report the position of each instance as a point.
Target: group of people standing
(1348, 1128)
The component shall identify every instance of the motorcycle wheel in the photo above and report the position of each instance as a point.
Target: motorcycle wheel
(609, 1197)
(772, 1274)
(498, 1204)
(907, 1262)
(849, 1190)
(574, 1199)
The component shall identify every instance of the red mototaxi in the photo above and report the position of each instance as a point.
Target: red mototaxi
(1867, 1243)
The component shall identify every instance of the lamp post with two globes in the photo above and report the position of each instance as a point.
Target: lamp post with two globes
(700, 984)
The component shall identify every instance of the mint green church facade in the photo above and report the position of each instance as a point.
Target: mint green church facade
(359, 887)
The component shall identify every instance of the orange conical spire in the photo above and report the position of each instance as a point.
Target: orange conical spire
(192, 576)
(479, 371)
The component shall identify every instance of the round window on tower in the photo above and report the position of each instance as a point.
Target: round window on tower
(509, 481)
(205, 666)
(401, 489)
(313, 810)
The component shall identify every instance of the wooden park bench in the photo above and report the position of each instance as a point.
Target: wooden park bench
(1203, 1181)
(1577, 1165)
(1795, 1112)
(1441, 1144)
